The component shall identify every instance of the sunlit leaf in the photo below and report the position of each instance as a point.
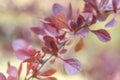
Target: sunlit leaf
(79, 45)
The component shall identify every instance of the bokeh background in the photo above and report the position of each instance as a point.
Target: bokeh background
(100, 61)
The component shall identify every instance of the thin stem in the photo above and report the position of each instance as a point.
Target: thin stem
(45, 61)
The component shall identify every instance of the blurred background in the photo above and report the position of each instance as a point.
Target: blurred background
(100, 61)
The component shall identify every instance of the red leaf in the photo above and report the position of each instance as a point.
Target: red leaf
(72, 66)
(31, 51)
(74, 26)
(49, 78)
(80, 20)
(69, 14)
(102, 35)
(50, 42)
(93, 19)
(54, 46)
(111, 23)
(115, 4)
(35, 58)
(92, 3)
(33, 67)
(79, 45)
(45, 49)
(60, 21)
(62, 35)
(83, 33)
(87, 8)
(2, 76)
(12, 71)
(38, 30)
(48, 72)
(58, 8)
(32, 59)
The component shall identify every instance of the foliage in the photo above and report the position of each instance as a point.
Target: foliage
(57, 32)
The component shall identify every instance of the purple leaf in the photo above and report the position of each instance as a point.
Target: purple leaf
(115, 4)
(19, 44)
(72, 66)
(58, 8)
(2, 76)
(83, 33)
(102, 35)
(111, 23)
(69, 14)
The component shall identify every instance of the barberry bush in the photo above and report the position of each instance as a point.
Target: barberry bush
(57, 32)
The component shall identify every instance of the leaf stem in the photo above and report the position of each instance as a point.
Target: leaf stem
(45, 61)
